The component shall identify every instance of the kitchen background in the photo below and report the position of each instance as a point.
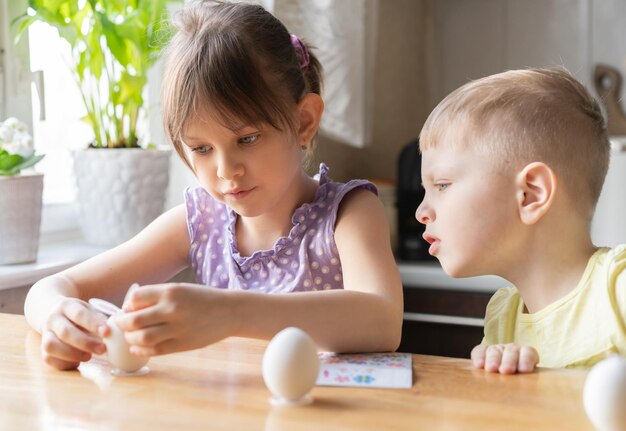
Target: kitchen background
(406, 55)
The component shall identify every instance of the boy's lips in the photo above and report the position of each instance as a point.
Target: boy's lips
(434, 243)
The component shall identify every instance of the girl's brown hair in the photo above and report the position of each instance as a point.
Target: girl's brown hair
(238, 60)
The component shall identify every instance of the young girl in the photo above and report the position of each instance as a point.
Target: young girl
(242, 106)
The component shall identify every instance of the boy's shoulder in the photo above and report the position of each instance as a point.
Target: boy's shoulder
(615, 256)
(503, 300)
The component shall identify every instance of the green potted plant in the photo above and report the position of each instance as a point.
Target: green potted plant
(20, 194)
(113, 45)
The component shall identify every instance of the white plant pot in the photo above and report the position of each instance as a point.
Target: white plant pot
(120, 191)
(20, 218)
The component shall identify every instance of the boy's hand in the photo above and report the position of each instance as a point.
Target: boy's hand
(505, 358)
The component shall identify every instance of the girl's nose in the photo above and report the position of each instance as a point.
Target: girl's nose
(424, 214)
(229, 167)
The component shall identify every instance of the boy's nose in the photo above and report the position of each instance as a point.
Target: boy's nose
(424, 214)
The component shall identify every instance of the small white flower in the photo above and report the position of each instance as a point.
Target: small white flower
(22, 145)
(15, 124)
(15, 139)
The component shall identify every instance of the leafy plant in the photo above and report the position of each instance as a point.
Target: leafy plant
(113, 44)
(16, 148)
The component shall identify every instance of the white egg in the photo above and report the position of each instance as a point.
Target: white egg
(290, 365)
(604, 394)
(118, 350)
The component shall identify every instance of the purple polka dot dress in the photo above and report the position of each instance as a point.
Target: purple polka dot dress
(305, 260)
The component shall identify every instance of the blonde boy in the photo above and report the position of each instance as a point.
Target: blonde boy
(513, 165)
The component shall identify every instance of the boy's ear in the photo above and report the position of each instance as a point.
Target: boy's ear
(310, 109)
(536, 188)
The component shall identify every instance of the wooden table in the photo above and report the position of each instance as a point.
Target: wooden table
(221, 388)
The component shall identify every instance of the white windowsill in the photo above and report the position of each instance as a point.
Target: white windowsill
(56, 253)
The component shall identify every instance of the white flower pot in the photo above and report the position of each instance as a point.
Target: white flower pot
(120, 191)
(20, 217)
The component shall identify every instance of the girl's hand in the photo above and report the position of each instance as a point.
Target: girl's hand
(68, 334)
(505, 358)
(166, 318)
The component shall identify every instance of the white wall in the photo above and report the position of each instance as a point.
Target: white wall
(474, 38)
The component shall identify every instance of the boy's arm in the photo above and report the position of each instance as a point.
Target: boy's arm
(505, 358)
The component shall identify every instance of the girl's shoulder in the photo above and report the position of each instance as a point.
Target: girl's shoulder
(332, 196)
(336, 191)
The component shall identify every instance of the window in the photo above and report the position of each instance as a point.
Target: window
(57, 126)
(53, 109)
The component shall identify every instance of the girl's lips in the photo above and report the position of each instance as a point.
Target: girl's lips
(238, 194)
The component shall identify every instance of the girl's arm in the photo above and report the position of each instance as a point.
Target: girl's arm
(55, 306)
(365, 316)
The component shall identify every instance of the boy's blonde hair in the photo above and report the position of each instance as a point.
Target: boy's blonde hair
(522, 116)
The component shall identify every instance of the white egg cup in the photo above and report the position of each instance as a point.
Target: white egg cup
(118, 351)
(290, 368)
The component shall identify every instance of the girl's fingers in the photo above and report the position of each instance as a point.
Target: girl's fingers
(478, 356)
(55, 351)
(528, 359)
(143, 297)
(163, 348)
(60, 364)
(493, 358)
(82, 315)
(135, 320)
(151, 336)
(510, 358)
(69, 334)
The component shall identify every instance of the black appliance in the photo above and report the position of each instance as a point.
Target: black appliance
(411, 245)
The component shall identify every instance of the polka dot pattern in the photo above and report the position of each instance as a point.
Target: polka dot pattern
(306, 259)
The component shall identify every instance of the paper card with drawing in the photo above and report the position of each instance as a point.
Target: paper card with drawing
(373, 370)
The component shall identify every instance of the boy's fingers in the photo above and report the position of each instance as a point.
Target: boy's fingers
(493, 357)
(478, 355)
(528, 359)
(510, 358)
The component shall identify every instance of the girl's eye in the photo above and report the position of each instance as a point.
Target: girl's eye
(442, 186)
(202, 149)
(248, 139)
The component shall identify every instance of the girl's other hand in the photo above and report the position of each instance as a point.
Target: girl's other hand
(68, 334)
(505, 358)
(173, 317)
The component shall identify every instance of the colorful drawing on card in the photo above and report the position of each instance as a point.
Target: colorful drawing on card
(374, 370)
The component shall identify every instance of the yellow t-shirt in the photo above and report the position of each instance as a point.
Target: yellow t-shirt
(575, 331)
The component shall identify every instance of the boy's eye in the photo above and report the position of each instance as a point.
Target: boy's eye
(441, 186)
(248, 139)
(202, 149)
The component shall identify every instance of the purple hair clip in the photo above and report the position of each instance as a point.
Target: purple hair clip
(301, 51)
